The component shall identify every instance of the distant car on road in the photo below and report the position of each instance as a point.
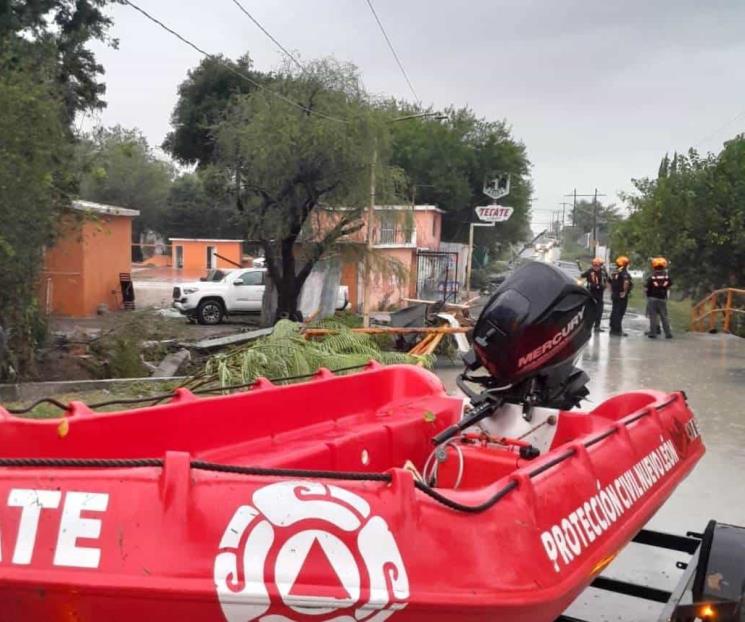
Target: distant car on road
(229, 292)
(570, 267)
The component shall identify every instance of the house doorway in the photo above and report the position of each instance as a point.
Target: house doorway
(179, 257)
(211, 257)
(437, 275)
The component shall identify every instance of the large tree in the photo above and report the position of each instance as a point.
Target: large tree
(694, 214)
(307, 141)
(65, 27)
(47, 75)
(203, 100)
(447, 161)
(34, 145)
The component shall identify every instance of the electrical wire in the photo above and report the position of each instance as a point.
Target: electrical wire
(393, 51)
(703, 141)
(230, 68)
(268, 34)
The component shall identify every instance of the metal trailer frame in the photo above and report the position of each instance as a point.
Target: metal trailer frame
(690, 544)
(719, 549)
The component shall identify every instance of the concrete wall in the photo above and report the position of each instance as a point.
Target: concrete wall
(428, 229)
(195, 253)
(61, 280)
(107, 252)
(388, 288)
(81, 270)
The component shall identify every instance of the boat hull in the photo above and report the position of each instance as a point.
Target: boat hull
(184, 539)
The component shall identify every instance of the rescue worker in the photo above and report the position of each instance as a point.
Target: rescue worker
(657, 286)
(620, 287)
(596, 280)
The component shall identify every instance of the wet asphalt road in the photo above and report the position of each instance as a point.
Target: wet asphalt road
(711, 370)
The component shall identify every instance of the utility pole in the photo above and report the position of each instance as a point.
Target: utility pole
(469, 263)
(594, 196)
(563, 219)
(595, 223)
(574, 209)
(371, 214)
(368, 253)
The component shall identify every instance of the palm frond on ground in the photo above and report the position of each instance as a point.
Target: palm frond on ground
(287, 353)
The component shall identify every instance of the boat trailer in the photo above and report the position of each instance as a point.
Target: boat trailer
(712, 586)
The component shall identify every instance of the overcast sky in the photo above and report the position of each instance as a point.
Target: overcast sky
(597, 90)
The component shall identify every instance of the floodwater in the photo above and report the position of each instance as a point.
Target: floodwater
(711, 370)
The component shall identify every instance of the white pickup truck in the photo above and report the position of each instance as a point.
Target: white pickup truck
(229, 292)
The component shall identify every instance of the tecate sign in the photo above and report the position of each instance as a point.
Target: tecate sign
(494, 213)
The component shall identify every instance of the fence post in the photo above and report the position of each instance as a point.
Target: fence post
(728, 311)
(712, 314)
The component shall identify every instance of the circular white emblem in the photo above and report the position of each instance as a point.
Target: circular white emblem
(306, 550)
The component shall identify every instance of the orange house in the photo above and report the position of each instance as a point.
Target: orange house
(399, 232)
(196, 256)
(81, 270)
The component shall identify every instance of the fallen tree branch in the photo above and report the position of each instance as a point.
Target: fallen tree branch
(385, 330)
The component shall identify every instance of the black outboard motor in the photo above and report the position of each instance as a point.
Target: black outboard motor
(529, 334)
(527, 338)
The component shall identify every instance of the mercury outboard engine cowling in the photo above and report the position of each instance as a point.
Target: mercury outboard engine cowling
(529, 334)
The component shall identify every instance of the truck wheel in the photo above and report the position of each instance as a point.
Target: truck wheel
(209, 312)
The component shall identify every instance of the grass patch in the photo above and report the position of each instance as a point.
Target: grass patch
(678, 310)
(134, 390)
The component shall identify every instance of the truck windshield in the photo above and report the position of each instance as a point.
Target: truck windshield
(214, 276)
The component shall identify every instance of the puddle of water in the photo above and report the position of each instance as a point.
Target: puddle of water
(709, 368)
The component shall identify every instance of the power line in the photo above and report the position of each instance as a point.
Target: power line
(715, 132)
(240, 74)
(268, 34)
(393, 51)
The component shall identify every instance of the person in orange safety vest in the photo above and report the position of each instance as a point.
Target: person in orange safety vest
(657, 286)
(596, 280)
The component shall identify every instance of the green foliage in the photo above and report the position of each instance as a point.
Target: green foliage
(280, 163)
(286, 353)
(124, 359)
(63, 28)
(447, 162)
(607, 217)
(204, 98)
(118, 167)
(693, 213)
(572, 251)
(47, 75)
(191, 212)
(34, 150)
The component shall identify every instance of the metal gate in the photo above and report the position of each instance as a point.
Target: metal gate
(437, 275)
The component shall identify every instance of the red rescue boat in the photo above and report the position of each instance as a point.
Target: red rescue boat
(327, 500)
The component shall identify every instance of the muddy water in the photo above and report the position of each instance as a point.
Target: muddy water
(711, 370)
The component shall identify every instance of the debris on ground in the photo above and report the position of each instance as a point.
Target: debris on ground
(171, 363)
(214, 343)
(287, 352)
(170, 313)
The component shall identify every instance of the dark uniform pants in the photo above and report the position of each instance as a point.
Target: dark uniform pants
(658, 311)
(598, 296)
(617, 312)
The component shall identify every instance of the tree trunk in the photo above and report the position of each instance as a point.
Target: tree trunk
(287, 299)
(268, 302)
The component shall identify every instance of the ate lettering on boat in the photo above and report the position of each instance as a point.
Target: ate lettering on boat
(76, 516)
(567, 540)
(319, 548)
